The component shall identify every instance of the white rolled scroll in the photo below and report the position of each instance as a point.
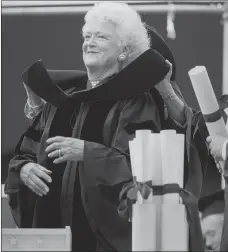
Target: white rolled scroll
(146, 165)
(208, 103)
(144, 227)
(206, 98)
(140, 159)
(156, 166)
(136, 163)
(172, 151)
(174, 228)
(173, 213)
(160, 158)
(144, 171)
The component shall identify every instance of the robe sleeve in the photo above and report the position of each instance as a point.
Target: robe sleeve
(188, 113)
(25, 152)
(109, 166)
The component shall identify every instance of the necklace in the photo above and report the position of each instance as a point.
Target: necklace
(94, 83)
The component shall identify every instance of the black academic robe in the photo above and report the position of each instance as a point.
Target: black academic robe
(106, 166)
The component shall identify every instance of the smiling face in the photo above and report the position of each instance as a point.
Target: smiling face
(101, 47)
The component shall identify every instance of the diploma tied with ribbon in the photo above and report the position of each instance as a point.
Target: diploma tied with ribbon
(206, 98)
(159, 220)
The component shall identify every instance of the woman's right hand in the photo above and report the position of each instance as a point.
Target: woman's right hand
(32, 175)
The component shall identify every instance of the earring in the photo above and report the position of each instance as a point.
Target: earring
(122, 57)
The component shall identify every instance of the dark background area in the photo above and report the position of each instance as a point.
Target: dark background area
(57, 40)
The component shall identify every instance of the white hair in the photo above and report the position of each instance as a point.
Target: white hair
(129, 26)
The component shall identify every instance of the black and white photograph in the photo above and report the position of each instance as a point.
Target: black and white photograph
(114, 122)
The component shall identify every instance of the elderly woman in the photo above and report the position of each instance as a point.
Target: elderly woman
(72, 163)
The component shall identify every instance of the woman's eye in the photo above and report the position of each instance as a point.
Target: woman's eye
(101, 36)
(86, 37)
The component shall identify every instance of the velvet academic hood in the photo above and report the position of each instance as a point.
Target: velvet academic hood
(138, 77)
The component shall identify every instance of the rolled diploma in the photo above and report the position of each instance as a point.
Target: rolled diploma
(173, 214)
(174, 227)
(172, 150)
(135, 157)
(146, 221)
(207, 100)
(144, 227)
(143, 171)
(155, 158)
(155, 150)
(180, 160)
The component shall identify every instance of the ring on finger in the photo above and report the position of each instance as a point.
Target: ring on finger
(60, 153)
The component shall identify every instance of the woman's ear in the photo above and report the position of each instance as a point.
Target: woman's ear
(126, 51)
(124, 54)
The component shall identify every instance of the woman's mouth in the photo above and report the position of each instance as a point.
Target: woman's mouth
(91, 52)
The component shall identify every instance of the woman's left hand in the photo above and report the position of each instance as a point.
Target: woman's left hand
(64, 149)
